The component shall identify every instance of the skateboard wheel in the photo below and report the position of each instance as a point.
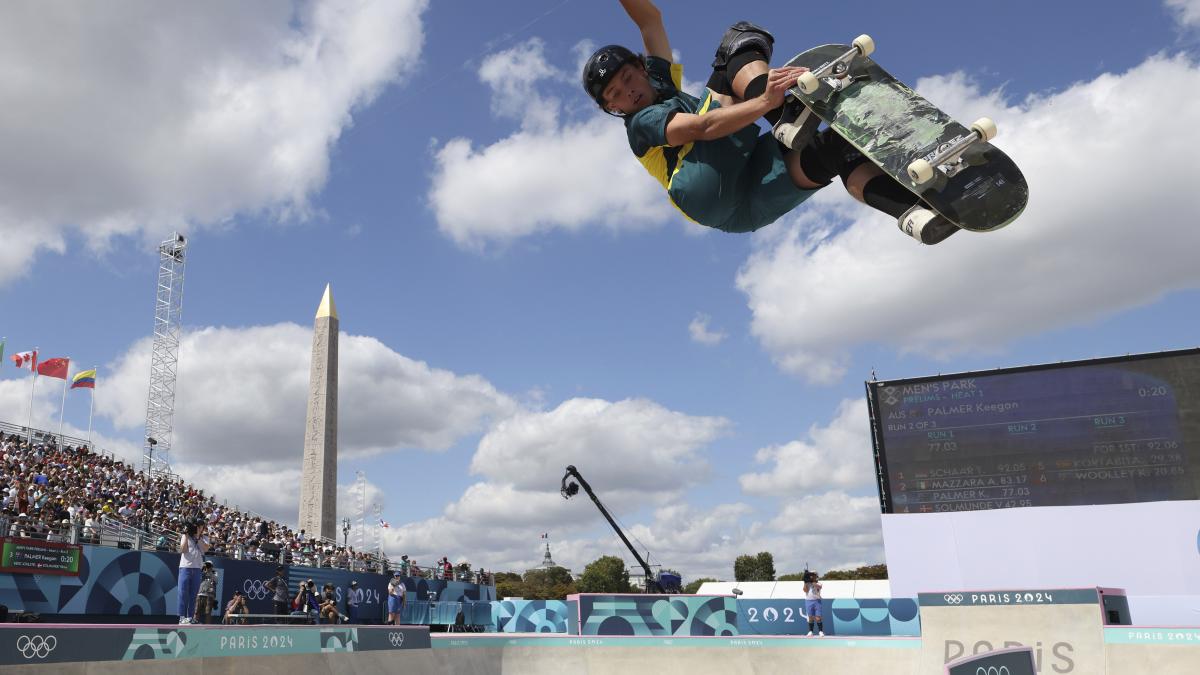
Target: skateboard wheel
(864, 44)
(920, 171)
(808, 83)
(985, 127)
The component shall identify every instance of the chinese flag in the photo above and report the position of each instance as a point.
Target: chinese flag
(54, 368)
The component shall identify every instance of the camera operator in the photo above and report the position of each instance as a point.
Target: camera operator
(329, 611)
(812, 603)
(193, 544)
(304, 601)
(236, 606)
(206, 596)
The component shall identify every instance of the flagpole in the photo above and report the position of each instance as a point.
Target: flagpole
(63, 407)
(32, 386)
(91, 407)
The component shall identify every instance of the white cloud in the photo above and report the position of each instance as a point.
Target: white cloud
(271, 489)
(1110, 225)
(832, 513)
(243, 391)
(636, 454)
(837, 455)
(700, 332)
(136, 118)
(633, 452)
(1186, 12)
(552, 174)
(513, 75)
(632, 447)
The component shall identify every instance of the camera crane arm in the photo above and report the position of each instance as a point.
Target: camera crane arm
(569, 490)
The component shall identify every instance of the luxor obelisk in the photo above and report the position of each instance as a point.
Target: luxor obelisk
(318, 483)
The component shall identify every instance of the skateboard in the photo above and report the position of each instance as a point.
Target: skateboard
(953, 168)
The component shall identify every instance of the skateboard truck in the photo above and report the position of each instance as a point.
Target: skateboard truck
(948, 158)
(834, 72)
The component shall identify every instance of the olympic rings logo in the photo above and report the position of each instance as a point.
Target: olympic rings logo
(36, 646)
(953, 598)
(992, 670)
(397, 639)
(255, 589)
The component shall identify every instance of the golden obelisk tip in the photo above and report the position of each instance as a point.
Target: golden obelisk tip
(327, 307)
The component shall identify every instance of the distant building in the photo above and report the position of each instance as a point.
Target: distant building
(548, 562)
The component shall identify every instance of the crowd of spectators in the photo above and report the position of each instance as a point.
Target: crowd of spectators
(72, 494)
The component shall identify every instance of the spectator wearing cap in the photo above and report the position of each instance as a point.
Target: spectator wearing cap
(235, 607)
(328, 610)
(279, 591)
(207, 594)
(353, 598)
(396, 596)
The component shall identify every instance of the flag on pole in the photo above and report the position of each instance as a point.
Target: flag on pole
(56, 367)
(383, 523)
(25, 359)
(84, 379)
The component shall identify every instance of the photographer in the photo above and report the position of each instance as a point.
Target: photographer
(206, 596)
(328, 611)
(303, 600)
(193, 544)
(235, 607)
(812, 603)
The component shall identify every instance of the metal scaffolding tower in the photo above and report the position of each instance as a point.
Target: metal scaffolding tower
(164, 360)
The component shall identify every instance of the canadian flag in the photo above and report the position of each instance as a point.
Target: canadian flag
(25, 359)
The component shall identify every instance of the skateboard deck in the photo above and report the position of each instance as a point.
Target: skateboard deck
(893, 126)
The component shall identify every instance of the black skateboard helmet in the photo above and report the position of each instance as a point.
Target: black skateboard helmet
(602, 66)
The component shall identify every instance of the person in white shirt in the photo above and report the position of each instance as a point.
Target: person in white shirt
(192, 547)
(396, 594)
(812, 603)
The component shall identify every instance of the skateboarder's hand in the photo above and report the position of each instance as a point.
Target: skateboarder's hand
(779, 80)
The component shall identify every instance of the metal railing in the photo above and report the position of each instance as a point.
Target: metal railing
(47, 437)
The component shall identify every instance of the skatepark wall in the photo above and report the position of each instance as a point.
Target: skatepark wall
(120, 584)
(702, 615)
(279, 650)
(1150, 549)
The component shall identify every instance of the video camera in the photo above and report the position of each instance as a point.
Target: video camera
(809, 577)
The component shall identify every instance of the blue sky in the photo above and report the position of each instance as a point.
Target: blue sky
(515, 293)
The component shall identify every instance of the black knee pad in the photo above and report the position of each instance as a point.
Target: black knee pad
(756, 87)
(721, 80)
(828, 155)
(743, 36)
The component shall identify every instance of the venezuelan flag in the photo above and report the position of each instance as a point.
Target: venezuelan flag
(84, 379)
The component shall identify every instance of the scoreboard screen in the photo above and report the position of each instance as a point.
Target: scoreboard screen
(1107, 431)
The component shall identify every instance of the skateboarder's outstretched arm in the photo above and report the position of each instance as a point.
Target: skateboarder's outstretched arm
(683, 128)
(649, 21)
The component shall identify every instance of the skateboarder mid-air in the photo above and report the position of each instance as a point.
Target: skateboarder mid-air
(707, 152)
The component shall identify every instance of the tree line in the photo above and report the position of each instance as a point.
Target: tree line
(608, 574)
